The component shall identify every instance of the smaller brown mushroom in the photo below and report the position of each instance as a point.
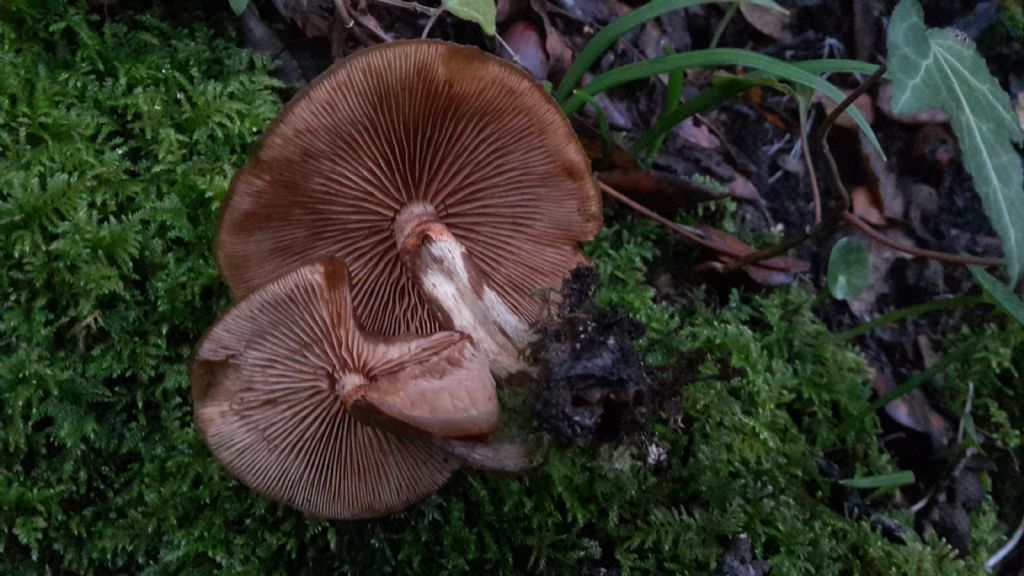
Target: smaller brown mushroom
(303, 406)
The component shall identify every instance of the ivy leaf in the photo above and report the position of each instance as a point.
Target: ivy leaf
(238, 6)
(941, 69)
(483, 12)
(1001, 293)
(848, 269)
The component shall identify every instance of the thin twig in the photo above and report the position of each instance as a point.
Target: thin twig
(920, 504)
(689, 232)
(341, 11)
(809, 166)
(512, 53)
(415, 7)
(770, 252)
(430, 23)
(371, 24)
(944, 257)
(821, 135)
(683, 230)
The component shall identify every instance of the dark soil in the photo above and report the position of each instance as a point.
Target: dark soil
(595, 388)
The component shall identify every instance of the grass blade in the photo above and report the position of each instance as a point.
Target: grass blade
(602, 123)
(723, 90)
(718, 57)
(610, 33)
(901, 478)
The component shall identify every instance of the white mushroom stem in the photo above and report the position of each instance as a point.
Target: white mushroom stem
(458, 291)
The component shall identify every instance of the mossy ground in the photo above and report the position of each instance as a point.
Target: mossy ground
(117, 142)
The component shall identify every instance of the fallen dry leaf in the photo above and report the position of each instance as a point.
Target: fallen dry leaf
(560, 55)
(524, 39)
(771, 23)
(882, 181)
(867, 205)
(911, 409)
(741, 188)
(772, 272)
(259, 38)
(699, 135)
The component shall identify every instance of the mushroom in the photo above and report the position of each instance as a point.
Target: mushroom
(303, 406)
(447, 179)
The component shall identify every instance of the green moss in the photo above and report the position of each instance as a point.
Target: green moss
(117, 141)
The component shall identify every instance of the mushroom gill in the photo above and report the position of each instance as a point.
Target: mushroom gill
(448, 181)
(275, 379)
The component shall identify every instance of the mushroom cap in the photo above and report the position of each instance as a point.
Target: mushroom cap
(274, 379)
(420, 122)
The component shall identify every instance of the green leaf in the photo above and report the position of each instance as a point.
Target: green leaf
(238, 6)
(483, 12)
(901, 478)
(610, 33)
(848, 269)
(940, 68)
(1001, 293)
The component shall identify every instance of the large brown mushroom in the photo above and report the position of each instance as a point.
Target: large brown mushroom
(280, 382)
(449, 182)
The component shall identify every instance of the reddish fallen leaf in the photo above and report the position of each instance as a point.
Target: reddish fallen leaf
(727, 248)
(868, 205)
(777, 271)
(698, 134)
(882, 181)
(368, 21)
(509, 9)
(741, 188)
(560, 55)
(911, 409)
(524, 39)
(771, 23)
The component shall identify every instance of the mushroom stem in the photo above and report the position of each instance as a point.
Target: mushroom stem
(457, 290)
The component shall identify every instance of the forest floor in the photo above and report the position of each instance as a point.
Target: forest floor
(716, 420)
